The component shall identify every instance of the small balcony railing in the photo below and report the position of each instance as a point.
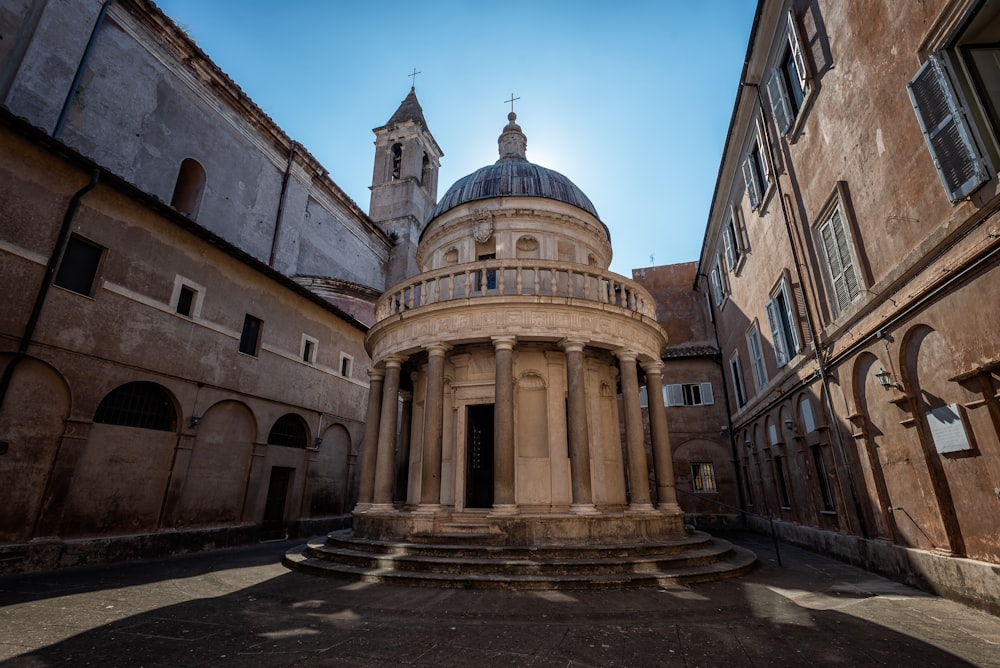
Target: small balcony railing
(515, 278)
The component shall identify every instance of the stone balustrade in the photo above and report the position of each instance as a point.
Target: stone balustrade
(516, 278)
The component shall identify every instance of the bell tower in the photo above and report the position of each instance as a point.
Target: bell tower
(404, 183)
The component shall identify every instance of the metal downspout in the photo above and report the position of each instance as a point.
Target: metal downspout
(71, 95)
(43, 289)
(281, 203)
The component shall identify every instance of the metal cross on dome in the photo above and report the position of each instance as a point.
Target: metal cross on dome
(413, 75)
(511, 102)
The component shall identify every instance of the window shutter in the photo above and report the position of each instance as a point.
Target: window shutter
(727, 239)
(790, 313)
(780, 106)
(846, 285)
(750, 178)
(946, 131)
(716, 285)
(674, 395)
(707, 398)
(773, 319)
(798, 56)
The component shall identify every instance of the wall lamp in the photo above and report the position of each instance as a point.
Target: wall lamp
(195, 421)
(790, 426)
(884, 379)
(319, 441)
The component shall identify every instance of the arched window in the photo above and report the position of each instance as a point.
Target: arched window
(190, 184)
(289, 430)
(397, 160)
(140, 404)
(425, 170)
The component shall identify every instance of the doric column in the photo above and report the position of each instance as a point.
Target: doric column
(382, 499)
(663, 459)
(577, 436)
(503, 427)
(638, 475)
(369, 444)
(430, 481)
(401, 465)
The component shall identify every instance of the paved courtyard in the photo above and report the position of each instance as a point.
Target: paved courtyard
(242, 608)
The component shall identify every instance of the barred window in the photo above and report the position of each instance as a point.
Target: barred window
(703, 477)
(141, 404)
(290, 431)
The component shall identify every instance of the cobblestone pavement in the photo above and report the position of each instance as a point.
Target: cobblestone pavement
(242, 608)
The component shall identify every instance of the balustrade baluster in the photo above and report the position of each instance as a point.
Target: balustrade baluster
(537, 271)
(468, 283)
(502, 278)
(519, 281)
(451, 286)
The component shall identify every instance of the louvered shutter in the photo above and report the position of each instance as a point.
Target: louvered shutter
(674, 395)
(780, 349)
(792, 319)
(846, 285)
(707, 398)
(946, 131)
(750, 178)
(798, 56)
(780, 105)
(716, 285)
(727, 239)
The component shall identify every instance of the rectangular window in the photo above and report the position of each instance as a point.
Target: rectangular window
(757, 172)
(688, 394)
(838, 258)
(783, 324)
(739, 392)
(718, 284)
(703, 478)
(732, 239)
(346, 365)
(250, 338)
(826, 494)
(308, 349)
(789, 84)
(756, 356)
(185, 300)
(79, 265)
(781, 476)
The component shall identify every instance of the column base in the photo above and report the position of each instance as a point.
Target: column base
(504, 509)
(382, 508)
(428, 509)
(362, 507)
(583, 509)
(670, 509)
(640, 509)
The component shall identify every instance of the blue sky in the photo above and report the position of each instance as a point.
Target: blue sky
(630, 100)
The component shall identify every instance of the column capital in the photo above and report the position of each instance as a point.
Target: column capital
(437, 349)
(405, 395)
(626, 355)
(652, 366)
(376, 373)
(503, 342)
(394, 360)
(570, 345)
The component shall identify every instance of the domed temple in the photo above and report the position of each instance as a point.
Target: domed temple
(504, 370)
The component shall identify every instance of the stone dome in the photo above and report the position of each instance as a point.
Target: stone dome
(513, 176)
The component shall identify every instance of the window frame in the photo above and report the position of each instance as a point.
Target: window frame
(734, 240)
(783, 322)
(758, 171)
(677, 394)
(307, 349)
(703, 479)
(180, 283)
(346, 366)
(68, 282)
(756, 350)
(739, 388)
(245, 346)
(717, 279)
(789, 120)
(836, 206)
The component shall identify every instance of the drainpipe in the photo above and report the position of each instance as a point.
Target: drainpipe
(43, 289)
(811, 329)
(281, 203)
(71, 95)
(733, 448)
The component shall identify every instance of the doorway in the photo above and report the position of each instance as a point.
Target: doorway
(273, 526)
(479, 456)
